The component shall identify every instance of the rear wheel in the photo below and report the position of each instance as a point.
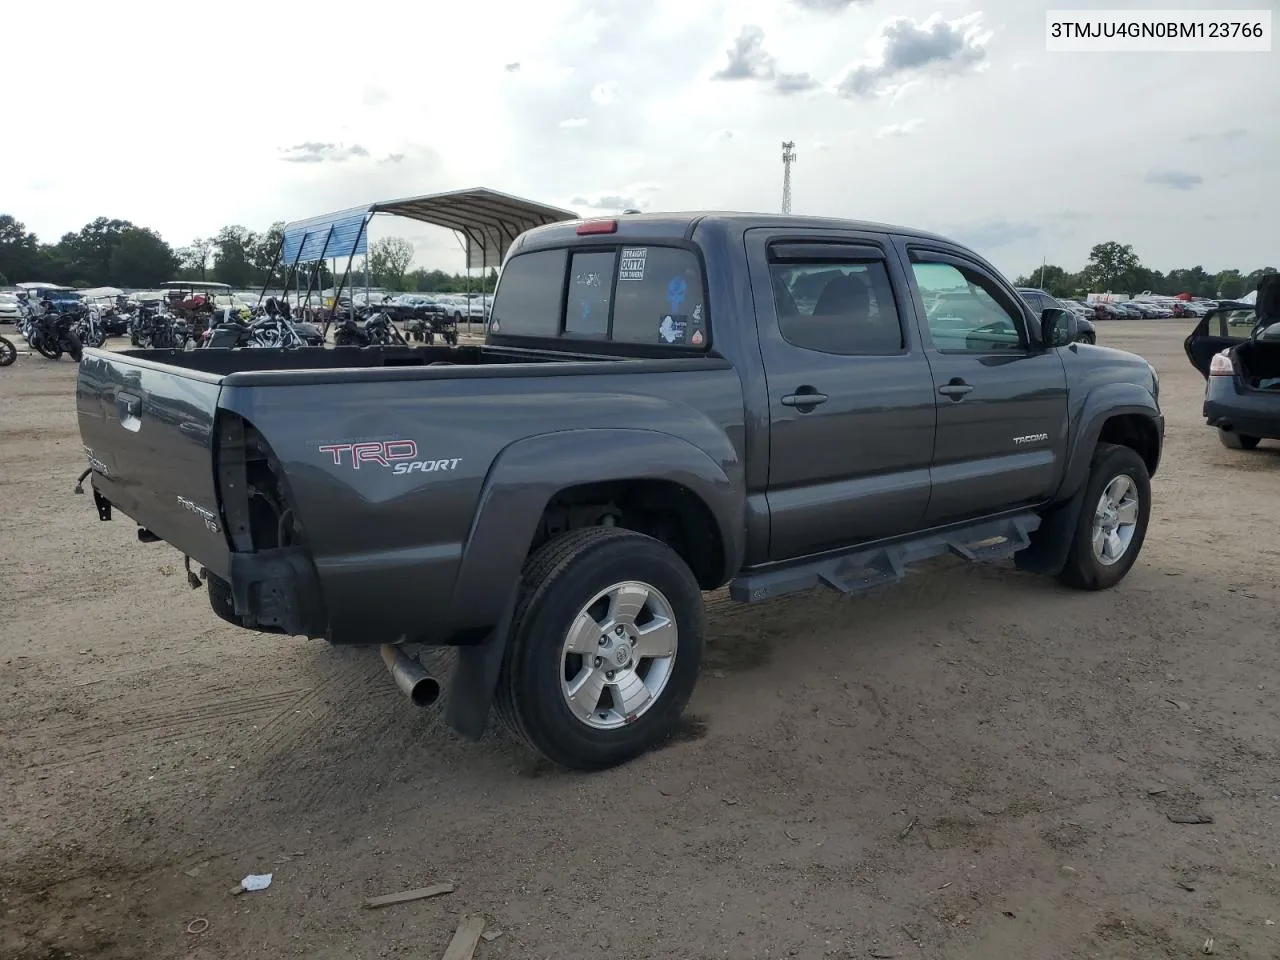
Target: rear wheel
(8, 352)
(605, 648)
(1113, 520)
(1238, 441)
(75, 349)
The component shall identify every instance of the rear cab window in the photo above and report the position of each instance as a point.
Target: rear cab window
(623, 293)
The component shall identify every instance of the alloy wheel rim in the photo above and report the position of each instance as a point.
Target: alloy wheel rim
(1115, 520)
(618, 655)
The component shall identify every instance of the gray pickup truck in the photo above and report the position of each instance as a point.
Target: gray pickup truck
(664, 404)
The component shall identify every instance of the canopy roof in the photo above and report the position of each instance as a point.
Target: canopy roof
(488, 221)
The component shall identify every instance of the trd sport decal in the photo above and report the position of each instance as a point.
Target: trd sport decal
(401, 456)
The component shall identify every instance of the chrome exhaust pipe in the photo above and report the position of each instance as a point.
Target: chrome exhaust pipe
(418, 685)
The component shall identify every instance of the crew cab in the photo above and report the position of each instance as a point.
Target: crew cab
(1236, 348)
(664, 404)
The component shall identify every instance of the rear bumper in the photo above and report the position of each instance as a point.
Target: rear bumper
(1253, 414)
(274, 591)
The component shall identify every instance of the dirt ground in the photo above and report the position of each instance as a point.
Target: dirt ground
(974, 764)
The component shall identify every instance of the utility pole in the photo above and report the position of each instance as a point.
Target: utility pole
(788, 158)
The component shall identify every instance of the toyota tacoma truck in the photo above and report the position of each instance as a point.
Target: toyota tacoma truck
(663, 405)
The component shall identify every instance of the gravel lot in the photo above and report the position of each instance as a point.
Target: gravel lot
(974, 764)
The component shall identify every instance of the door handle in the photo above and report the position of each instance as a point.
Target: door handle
(804, 399)
(129, 409)
(956, 389)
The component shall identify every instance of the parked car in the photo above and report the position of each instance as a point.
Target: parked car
(1083, 309)
(1241, 369)
(1041, 301)
(665, 404)
(9, 312)
(1108, 310)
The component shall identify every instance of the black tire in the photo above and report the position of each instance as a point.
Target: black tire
(1083, 570)
(75, 349)
(558, 580)
(1088, 338)
(1238, 441)
(8, 352)
(47, 350)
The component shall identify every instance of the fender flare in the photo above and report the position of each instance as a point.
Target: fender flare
(1101, 404)
(1050, 544)
(521, 482)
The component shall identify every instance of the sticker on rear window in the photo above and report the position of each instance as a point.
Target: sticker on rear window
(632, 265)
(672, 328)
(677, 289)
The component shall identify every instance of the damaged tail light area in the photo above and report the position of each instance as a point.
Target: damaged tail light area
(255, 500)
(1221, 365)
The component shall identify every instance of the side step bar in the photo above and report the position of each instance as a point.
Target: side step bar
(864, 568)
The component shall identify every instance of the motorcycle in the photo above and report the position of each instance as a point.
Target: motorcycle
(8, 352)
(425, 327)
(88, 326)
(270, 327)
(52, 333)
(150, 327)
(378, 331)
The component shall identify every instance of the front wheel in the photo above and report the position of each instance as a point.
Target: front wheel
(605, 648)
(48, 350)
(1113, 520)
(8, 352)
(1238, 441)
(1088, 338)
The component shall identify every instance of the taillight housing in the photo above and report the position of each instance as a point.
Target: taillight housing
(1221, 365)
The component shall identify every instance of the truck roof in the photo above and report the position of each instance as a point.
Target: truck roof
(681, 224)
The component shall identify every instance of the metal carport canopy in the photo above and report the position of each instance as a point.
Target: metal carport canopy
(488, 220)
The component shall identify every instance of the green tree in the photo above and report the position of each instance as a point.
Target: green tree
(195, 258)
(88, 253)
(1193, 280)
(389, 260)
(1254, 277)
(1229, 284)
(20, 254)
(1050, 277)
(140, 258)
(232, 248)
(1111, 267)
(265, 253)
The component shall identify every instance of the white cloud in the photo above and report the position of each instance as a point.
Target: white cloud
(573, 123)
(905, 46)
(904, 129)
(934, 141)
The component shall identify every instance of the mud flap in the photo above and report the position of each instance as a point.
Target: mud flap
(1050, 544)
(475, 676)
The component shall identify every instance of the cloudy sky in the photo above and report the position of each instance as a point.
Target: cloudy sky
(942, 114)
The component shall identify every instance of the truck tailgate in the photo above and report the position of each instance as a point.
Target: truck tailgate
(148, 431)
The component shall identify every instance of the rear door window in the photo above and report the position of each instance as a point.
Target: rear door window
(660, 298)
(527, 301)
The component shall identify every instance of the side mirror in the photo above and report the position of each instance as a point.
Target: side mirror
(1058, 328)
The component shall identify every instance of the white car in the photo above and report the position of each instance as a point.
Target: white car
(462, 308)
(9, 312)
